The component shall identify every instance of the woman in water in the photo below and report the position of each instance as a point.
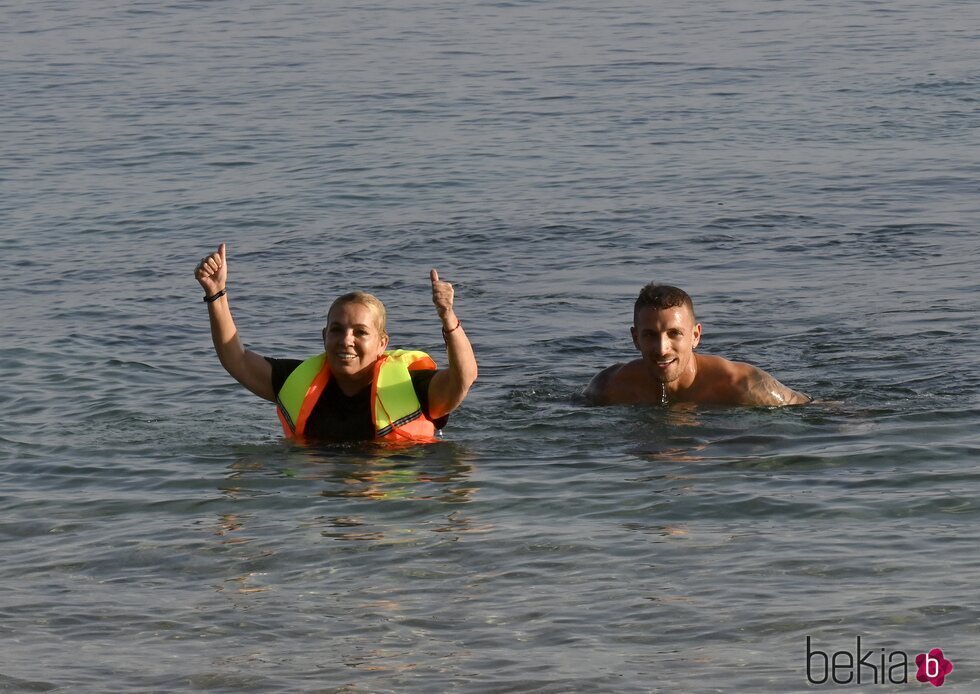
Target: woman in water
(355, 390)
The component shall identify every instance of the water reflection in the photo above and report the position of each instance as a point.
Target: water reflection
(419, 473)
(688, 453)
(433, 473)
(228, 528)
(347, 475)
(381, 523)
(229, 523)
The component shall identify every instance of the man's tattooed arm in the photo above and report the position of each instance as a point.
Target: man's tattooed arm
(763, 390)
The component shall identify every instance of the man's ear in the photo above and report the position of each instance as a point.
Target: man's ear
(696, 335)
(633, 334)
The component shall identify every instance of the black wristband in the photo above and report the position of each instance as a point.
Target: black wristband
(212, 299)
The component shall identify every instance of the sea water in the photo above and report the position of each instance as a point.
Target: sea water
(807, 170)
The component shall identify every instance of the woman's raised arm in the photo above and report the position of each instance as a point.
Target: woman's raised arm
(245, 366)
(449, 386)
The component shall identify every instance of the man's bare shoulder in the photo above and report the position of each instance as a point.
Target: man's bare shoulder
(740, 383)
(718, 381)
(597, 392)
(719, 368)
(608, 386)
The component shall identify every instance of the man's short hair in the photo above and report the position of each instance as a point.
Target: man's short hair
(660, 297)
(365, 299)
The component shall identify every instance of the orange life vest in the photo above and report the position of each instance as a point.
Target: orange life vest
(395, 409)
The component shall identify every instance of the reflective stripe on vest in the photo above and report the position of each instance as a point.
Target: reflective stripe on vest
(395, 409)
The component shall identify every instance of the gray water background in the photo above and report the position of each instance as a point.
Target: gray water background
(807, 170)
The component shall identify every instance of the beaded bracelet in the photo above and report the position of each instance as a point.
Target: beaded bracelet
(445, 333)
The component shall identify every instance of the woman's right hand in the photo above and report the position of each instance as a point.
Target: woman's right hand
(212, 272)
(245, 366)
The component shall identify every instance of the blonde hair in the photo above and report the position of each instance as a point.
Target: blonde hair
(370, 301)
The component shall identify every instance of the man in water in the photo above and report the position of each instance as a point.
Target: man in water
(666, 332)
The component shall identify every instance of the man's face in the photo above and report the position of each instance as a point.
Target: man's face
(666, 339)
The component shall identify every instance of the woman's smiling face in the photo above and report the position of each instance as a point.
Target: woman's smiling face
(353, 340)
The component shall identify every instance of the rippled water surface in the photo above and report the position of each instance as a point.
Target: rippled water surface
(807, 170)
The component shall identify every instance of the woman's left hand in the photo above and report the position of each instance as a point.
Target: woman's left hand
(442, 294)
(449, 386)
